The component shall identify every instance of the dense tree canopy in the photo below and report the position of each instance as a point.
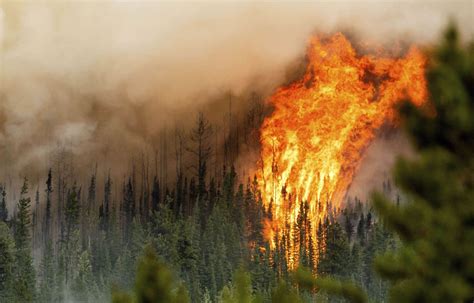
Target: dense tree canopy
(200, 235)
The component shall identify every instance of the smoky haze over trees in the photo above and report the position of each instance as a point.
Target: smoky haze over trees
(137, 154)
(88, 238)
(105, 79)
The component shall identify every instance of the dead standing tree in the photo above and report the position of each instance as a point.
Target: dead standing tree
(200, 149)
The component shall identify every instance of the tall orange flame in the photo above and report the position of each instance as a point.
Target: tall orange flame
(313, 142)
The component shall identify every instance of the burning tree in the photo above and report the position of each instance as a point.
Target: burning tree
(435, 263)
(435, 260)
(313, 142)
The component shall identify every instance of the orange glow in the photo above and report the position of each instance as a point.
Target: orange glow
(313, 142)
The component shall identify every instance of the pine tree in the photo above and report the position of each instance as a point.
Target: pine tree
(7, 264)
(70, 245)
(88, 211)
(72, 211)
(229, 185)
(212, 194)
(240, 290)
(47, 228)
(3, 205)
(188, 251)
(334, 260)
(155, 194)
(348, 226)
(128, 208)
(154, 283)
(165, 230)
(361, 235)
(46, 269)
(46, 273)
(104, 209)
(435, 262)
(83, 283)
(24, 270)
(201, 151)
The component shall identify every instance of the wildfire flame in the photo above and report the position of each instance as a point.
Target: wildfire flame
(313, 141)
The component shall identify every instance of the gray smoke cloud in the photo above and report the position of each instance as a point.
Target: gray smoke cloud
(104, 78)
(375, 167)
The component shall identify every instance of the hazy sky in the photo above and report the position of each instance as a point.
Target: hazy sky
(102, 75)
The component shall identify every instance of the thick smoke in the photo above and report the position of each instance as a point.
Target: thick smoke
(379, 158)
(104, 78)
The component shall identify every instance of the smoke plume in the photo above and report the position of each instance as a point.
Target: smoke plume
(104, 78)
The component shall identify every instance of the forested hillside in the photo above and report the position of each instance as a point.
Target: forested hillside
(203, 236)
(203, 231)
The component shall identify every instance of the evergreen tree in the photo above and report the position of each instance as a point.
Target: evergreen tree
(7, 264)
(334, 260)
(24, 270)
(106, 204)
(46, 269)
(128, 207)
(435, 262)
(361, 229)
(154, 283)
(240, 290)
(47, 228)
(229, 185)
(83, 284)
(348, 226)
(3, 205)
(46, 274)
(72, 211)
(188, 251)
(155, 194)
(70, 245)
(36, 232)
(201, 151)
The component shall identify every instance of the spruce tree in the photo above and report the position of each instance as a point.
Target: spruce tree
(435, 262)
(334, 260)
(46, 274)
(83, 285)
(348, 226)
(128, 208)
(47, 228)
(154, 283)
(3, 205)
(7, 264)
(155, 194)
(46, 268)
(24, 270)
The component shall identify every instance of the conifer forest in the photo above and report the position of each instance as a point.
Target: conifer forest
(240, 152)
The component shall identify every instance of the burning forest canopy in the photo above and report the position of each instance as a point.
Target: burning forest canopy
(242, 127)
(314, 140)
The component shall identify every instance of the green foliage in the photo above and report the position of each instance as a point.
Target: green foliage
(3, 205)
(72, 211)
(334, 260)
(207, 229)
(47, 282)
(436, 262)
(240, 290)
(23, 219)
(154, 283)
(83, 283)
(283, 293)
(347, 290)
(7, 262)
(24, 286)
